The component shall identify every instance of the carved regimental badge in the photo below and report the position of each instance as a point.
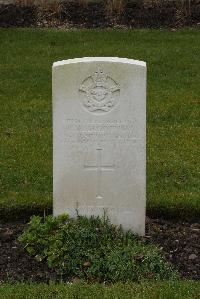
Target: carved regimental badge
(101, 92)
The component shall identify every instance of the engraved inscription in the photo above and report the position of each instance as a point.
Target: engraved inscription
(100, 92)
(99, 167)
(85, 132)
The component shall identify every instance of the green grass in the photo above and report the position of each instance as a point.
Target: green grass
(164, 290)
(173, 60)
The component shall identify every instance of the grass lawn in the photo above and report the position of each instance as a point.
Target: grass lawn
(173, 160)
(164, 290)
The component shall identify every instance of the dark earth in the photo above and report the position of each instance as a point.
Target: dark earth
(178, 241)
(67, 14)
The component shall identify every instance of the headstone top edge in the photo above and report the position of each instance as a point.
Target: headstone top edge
(99, 59)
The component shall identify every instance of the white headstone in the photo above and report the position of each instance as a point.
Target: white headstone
(99, 139)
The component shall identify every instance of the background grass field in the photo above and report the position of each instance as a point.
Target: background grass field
(164, 290)
(173, 60)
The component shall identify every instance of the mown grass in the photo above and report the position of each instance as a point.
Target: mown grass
(173, 60)
(164, 290)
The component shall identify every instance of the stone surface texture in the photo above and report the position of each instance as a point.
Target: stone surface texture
(99, 139)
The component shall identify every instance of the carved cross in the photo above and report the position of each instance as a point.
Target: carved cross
(99, 168)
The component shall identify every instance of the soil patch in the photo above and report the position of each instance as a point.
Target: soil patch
(137, 14)
(178, 241)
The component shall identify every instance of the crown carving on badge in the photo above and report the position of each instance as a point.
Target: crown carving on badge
(99, 77)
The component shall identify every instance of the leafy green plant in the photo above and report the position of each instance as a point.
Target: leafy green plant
(93, 249)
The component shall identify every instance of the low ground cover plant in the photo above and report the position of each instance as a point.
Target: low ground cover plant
(93, 250)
